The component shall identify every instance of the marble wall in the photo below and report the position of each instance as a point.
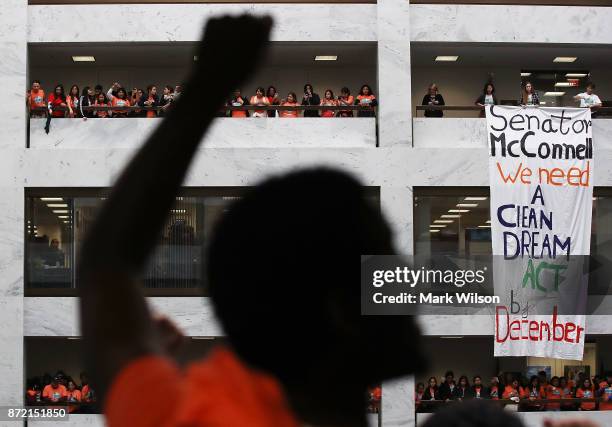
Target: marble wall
(184, 22)
(225, 133)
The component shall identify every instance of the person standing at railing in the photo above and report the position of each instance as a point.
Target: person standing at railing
(260, 99)
(567, 392)
(291, 101)
(605, 393)
(431, 392)
(119, 99)
(529, 96)
(165, 102)
(585, 391)
(74, 102)
(36, 100)
(478, 391)
(433, 98)
(486, 98)
(238, 100)
(588, 99)
(366, 98)
(328, 100)
(463, 390)
(345, 98)
(57, 102)
(150, 101)
(447, 388)
(273, 98)
(493, 392)
(554, 391)
(87, 100)
(533, 391)
(102, 101)
(310, 98)
(513, 391)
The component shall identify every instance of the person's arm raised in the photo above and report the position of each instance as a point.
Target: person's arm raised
(116, 324)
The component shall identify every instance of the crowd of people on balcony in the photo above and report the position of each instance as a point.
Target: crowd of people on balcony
(151, 103)
(529, 97)
(61, 389)
(528, 392)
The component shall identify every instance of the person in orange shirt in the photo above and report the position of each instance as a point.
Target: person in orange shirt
(73, 396)
(36, 100)
(291, 101)
(102, 101)
(554, 391)
(260, 99)
(533, 391)
(345, 98)
(605, 393)
(328, 100)
(54, 392)
(315, 221)
(366, 98)
(150, 100)
(121, 99)
(87, 393)
(585, 391)
(57, 102)
(238, 100)
(513, 391)
(274, 99)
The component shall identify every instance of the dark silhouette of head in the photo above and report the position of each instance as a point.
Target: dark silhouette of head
(473, 413)
(283, 269)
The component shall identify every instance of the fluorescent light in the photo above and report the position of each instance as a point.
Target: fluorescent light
(51, 199)
(443, 221)
(437, 226)
(467, 205)
(565, 59)
(178, 211)
(450, 216)
(554, 93)
(434, 230)
(525, 74)
(326, 57)
(563, 84)
(472, 198)
(63, 217)
(484, 226)
(202, 338)
(542, 102)
(446, 58)
(57, 205)
(195, 57)
(451, 337)
(576, 75)
(61, 211)
(83, 59)
(488, 221)
(458, 210)
(74, 338)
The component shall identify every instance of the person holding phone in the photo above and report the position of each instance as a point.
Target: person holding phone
(433, 98)
(328, 100)
(345, 98)
(310, 98)
(237, 100)
(366, 98)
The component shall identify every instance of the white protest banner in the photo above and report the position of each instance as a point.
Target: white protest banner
(541, 177)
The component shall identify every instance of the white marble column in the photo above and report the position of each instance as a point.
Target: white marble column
(13, 51)
(394, 80)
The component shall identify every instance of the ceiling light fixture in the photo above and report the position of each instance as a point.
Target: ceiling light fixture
(553, 93)
(467, 205)
(437, 226)
(565, 59)
(51, 199)
(83, 58)
(525, 74)
(446, 58)
(563, 84)
(450, 216)
(443, 221)
(326, 58)
(473, 198)
(434, 230)
(576, 75)
(57, 205)
(458, 210)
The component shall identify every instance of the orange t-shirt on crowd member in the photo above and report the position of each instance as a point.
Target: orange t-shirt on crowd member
(511, 392)
(54, 394)
(102, 114)
(238, 102)
(586, 394)
(289, 113)
(554, 393)
(85, 394)
(37, 99)
(328, 113)
(73, 396)
(116, 102)
(260, 101)
(151, 113)
(219, 391)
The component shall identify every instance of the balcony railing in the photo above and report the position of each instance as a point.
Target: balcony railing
(598, 112)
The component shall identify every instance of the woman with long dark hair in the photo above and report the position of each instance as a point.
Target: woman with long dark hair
(328, 100)
(291, 101)
(310, 98)
(486, 98)
(366, 98)
(273, 99)
(533, 391)
(259, 99)
(529, 96)
(121, 99)
(585, 391)
(87, 99)
(73, 101)
(57, 102)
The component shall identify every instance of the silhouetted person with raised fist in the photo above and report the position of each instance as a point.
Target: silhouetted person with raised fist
(283, 274)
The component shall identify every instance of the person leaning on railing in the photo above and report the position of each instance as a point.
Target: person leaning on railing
(329, 101)
(291, 101)
(366, 98)
(433, 98)
(529, 96)
(345, 98)
(36, 100)
(237, 100)
(487, 97)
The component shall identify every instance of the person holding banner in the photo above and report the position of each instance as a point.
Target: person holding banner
(529, 96)
(588, 99)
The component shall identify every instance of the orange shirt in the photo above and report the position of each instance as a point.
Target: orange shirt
(73, 396)
(260, 101)
(219, 391)
(37, 99)
(511, 392)
(328, 113)
(586, 394)
(289, 113)
(102, 113)
(54, 394)
(116, 102)
(238, 102)
(85, 394)
(553, 393)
